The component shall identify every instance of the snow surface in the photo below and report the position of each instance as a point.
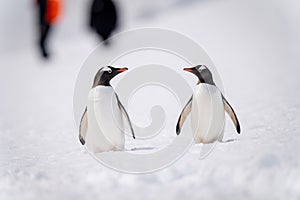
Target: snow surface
(254, 45)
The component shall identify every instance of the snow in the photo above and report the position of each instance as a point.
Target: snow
(254, 45)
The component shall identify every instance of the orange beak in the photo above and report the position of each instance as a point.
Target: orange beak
(122, 69)
(188, 69)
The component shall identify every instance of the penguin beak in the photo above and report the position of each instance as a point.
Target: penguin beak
(188, 69)
(122, 69)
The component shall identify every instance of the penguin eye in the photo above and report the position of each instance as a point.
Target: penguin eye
(109, 71)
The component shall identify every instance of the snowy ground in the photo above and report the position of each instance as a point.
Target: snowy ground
(254, 45)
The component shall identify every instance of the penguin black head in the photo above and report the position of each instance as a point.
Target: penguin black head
(203, 74)
(105, 74)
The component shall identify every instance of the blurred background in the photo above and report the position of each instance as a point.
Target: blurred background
(255, 46)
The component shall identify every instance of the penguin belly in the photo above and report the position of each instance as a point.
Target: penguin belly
(208, 114)
(105, 122)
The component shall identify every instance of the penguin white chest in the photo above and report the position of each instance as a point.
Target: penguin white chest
(208, 114)
(105, 123)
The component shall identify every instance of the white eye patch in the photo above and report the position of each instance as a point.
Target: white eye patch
(202, 67)
(107, 69)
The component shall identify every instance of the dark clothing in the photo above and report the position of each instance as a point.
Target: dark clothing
(44, 32)
(42, 11)
(103, 17)
(44, 27)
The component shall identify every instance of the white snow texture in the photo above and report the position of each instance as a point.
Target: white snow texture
(255, 46)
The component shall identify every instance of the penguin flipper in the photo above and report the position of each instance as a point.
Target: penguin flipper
(232, 115)
(83, 127)
(126, 115)
(184, 113)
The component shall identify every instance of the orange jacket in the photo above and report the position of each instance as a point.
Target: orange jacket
(53, 11)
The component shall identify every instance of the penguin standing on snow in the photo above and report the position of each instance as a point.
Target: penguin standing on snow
(101, 126)
(208, 106)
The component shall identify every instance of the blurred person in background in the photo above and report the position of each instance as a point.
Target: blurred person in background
(103, 19)
(49, 11)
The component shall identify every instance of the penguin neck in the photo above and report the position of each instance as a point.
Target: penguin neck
(106, 83)
(103, 83)
(203, 82)
(200, 78)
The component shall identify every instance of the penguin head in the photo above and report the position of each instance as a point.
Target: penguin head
(203, 73)
(105, 74)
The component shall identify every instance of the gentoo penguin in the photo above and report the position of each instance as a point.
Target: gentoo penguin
(101, 126)
(208, 106)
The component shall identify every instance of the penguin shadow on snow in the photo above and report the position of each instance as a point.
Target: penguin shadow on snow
(228, 140)
(204, 150)
(141, 148)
